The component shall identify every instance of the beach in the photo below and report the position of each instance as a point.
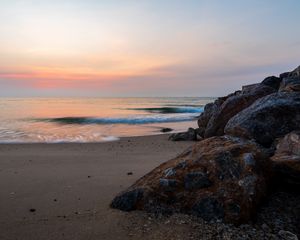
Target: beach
(149, 120)
(63, 191)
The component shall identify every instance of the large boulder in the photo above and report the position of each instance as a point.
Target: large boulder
(209, 110)
(233, 105)
(268, 118)
(286, 160)
(220, 178)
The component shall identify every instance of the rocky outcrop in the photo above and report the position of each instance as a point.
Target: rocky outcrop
(286, 160)
(268, 118)
(226, 177)
(218, 178)
(216, 115)
(233, 105)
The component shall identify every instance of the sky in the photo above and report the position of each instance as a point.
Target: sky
(153, 48)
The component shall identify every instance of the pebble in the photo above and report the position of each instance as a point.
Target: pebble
(286, 235)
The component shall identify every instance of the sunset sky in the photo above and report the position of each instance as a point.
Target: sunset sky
(144, 47)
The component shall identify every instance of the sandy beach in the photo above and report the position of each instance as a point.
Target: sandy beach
(63, 191)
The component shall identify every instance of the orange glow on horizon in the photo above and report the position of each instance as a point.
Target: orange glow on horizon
(59, 77)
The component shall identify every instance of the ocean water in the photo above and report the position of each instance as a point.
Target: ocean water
(53, 120)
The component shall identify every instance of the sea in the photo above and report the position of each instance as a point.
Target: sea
(59, 120)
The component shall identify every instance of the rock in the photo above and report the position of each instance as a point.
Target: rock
(234, 105)
(220, 178)
(211, 109)
(272, 81)
(170, 172)
(168, 184)
(200, 132)
(286, 160)
(284, 75)
(286, 235)
(209, 208)
(290, 84)
(166, 130)
(295, 72)
(190, 135)
(196, 180)
(204, 117)
(290, 81)
(268, 118)
(127, 201)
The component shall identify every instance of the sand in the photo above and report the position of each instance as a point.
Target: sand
(63, 191)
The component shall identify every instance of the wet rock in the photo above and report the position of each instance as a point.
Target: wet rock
(234, 105)
(212, 180)
(268, 118)
(286, 160)
(190, 135)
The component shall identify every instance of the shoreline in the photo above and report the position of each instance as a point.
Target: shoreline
(88, 143)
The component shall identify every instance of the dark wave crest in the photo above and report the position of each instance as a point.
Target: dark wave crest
(168, 110)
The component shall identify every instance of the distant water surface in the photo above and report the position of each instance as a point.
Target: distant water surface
(93, 119)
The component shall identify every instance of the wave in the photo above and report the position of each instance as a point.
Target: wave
(168, 110)
(131, 120)
(59, 140)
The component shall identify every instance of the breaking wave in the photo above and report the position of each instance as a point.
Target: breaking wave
(128, 120)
